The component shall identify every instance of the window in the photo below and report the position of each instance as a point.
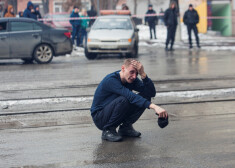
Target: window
(3, 27)
(37, 27)
(21, 26)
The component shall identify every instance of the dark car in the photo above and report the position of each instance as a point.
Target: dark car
(29, 40)
(58, 20)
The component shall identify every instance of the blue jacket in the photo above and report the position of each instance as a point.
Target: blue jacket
(37, 13)
(28, 13)
(111, 87)
(75, 23)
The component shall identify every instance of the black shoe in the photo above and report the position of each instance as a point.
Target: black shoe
(198, 46)
(172, 49)
(166, 49)
(190, 47)
(110, 134)
(128, 131)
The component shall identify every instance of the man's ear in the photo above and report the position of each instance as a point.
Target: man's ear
(123, 68)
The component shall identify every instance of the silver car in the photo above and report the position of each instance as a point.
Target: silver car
(30, 40)
(112, 34)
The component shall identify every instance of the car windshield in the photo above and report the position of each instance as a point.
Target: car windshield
(113, 23)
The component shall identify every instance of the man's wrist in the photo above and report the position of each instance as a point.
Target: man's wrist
(143, 75)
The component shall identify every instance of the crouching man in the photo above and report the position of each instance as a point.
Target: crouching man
(115, 104)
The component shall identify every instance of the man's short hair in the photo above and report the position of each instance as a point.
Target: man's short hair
(75, 7)
(127, 62)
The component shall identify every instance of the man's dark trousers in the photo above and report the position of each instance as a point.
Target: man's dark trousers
(171, 30)
(76, 33)
(117, 112)
(152, 26)
(193, 27)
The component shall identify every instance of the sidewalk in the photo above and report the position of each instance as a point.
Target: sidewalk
(209, 41)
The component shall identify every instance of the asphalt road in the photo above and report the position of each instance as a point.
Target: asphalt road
(45, 119)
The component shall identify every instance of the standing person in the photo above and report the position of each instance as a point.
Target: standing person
(92, 13)
(161, 16)
(1, 11)
(115, 104)
(21, 14)
(151, 20)
(84, 26)
(76, 24)
(29, 12)
(37, 12)
(10, 12)
(191, 19)
(170, 19)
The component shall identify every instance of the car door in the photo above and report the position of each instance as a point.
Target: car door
(23, 38)
(4, 40)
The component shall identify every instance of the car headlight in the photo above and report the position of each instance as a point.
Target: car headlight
(126, 40)
(92, 40)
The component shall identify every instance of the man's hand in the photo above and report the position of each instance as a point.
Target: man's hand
(160, 111)
(140, 68)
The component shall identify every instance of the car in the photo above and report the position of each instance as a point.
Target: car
(112, 34)
(58, 20)
(29, 40)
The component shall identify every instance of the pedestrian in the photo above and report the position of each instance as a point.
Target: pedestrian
(125, 7)
(84, 26)
(21, 14)
(115, 104)
(10, 12)
(29, 12)
(170, 19)
(37, 12)
(151, 20)
(1, 11)
(76, 24)
(191, 19)
(161, 17)
(92, 13)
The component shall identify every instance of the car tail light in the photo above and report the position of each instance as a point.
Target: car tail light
(68, 34)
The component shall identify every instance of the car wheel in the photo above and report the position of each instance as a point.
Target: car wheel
(43, 54)
(90, 56)
(28, 60)
(134, 53)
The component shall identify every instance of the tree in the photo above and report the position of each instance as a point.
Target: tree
(45, 4)
(135, 7)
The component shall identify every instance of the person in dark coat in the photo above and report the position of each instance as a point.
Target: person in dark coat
(29, 12)
(114, 104)
(170, 19)
(152, 20)
(21, 14)
(1, 11)
(37, 12)
(76, 25)
(191, 19)
(92, 13)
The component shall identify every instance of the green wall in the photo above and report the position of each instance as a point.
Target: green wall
(222, 25)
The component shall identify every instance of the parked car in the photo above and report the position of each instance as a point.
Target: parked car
(29, 40)
(112, 34)
(58, 20)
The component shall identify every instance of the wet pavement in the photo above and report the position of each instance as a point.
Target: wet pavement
(45, 119)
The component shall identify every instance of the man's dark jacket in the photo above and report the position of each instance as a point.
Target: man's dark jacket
(152, 20)
(75, 23)
(191, 17)
(170, 17)
(28, 13)
(111, 87)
